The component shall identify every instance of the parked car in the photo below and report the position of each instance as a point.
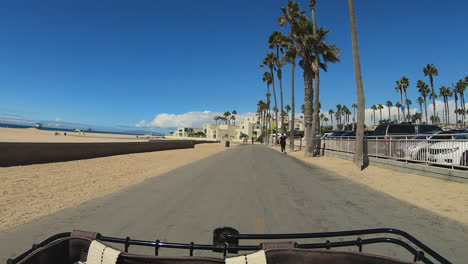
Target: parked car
(353, 133)
(403, 130)
(452, 153)
(418, 145)
(337, 133)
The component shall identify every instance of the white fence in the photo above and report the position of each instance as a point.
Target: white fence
(451, 151)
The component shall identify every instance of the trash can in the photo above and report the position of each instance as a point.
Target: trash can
(227, 143)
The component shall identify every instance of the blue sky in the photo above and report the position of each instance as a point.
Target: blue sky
(115, 63)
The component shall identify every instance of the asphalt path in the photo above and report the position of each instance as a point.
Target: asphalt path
(253, 189)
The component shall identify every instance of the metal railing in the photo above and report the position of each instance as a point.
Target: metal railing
(448, 151)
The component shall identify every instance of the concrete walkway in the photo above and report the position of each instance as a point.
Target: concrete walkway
(251, 188)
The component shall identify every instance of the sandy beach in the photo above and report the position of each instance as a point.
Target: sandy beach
(37, 135)
(443, 197)
(29, 192)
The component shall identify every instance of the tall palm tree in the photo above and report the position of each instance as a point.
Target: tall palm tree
(338, 118)
(446, 93)
(315, 54)
(344, 111)
(380, 107)
(270, 62)
(402, 87)
(421, 101)
(287, 108)
(324, 53)
(374, 108)
(331, 112)
(227, 114)
(290, 57)
(339, 109)
(431, 71)
(278, 40)
(358, 156)
(268, 79)
(234, 113)
(408, 104)
(424, 90)
(398, 106)
(389, 104)
(460, 88)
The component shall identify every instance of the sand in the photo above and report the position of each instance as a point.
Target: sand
(29, 192)
(37, 135)
(443, 197)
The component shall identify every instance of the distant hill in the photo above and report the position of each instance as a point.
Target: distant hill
(18, 122)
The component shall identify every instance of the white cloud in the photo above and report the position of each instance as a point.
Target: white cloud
(190, 119)
(58, 119)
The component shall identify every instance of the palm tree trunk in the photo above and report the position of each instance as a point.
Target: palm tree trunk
(276, 105)
(401, 96)
(433, 99)
(280, 79)
(389, 118)
(308, 97)
(448, 112)
(456, 109)
(425, 110)
(315, 119)
(358, 156)
(293, 109)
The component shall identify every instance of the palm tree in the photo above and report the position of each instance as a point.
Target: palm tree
(338, 118)
(279, 41)
(345, 111)
(290, 57)
(270, 62)
(234, 113)
(402, 86)
(421, 101)
(268, 79)
(431, 71)
(227, 114)
(408, 104)
(291, 14)
(339, 109)
(389, 104)
(358, 156)
(424, 90)
(331, 112)
(460, 88)
(446, 92)
(233, 118)
(374, 107)
(398, 106)
(315, 54)
(380, 107)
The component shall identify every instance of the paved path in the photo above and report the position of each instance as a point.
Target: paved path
(253, 189)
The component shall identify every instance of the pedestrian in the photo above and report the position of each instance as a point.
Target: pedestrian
(252, 140)
(283, 143)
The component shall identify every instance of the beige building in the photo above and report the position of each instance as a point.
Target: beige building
(186, 131)
(250, 127)
(213, 131)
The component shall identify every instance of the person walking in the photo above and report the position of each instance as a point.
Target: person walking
(252, 140)
(283, 143)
